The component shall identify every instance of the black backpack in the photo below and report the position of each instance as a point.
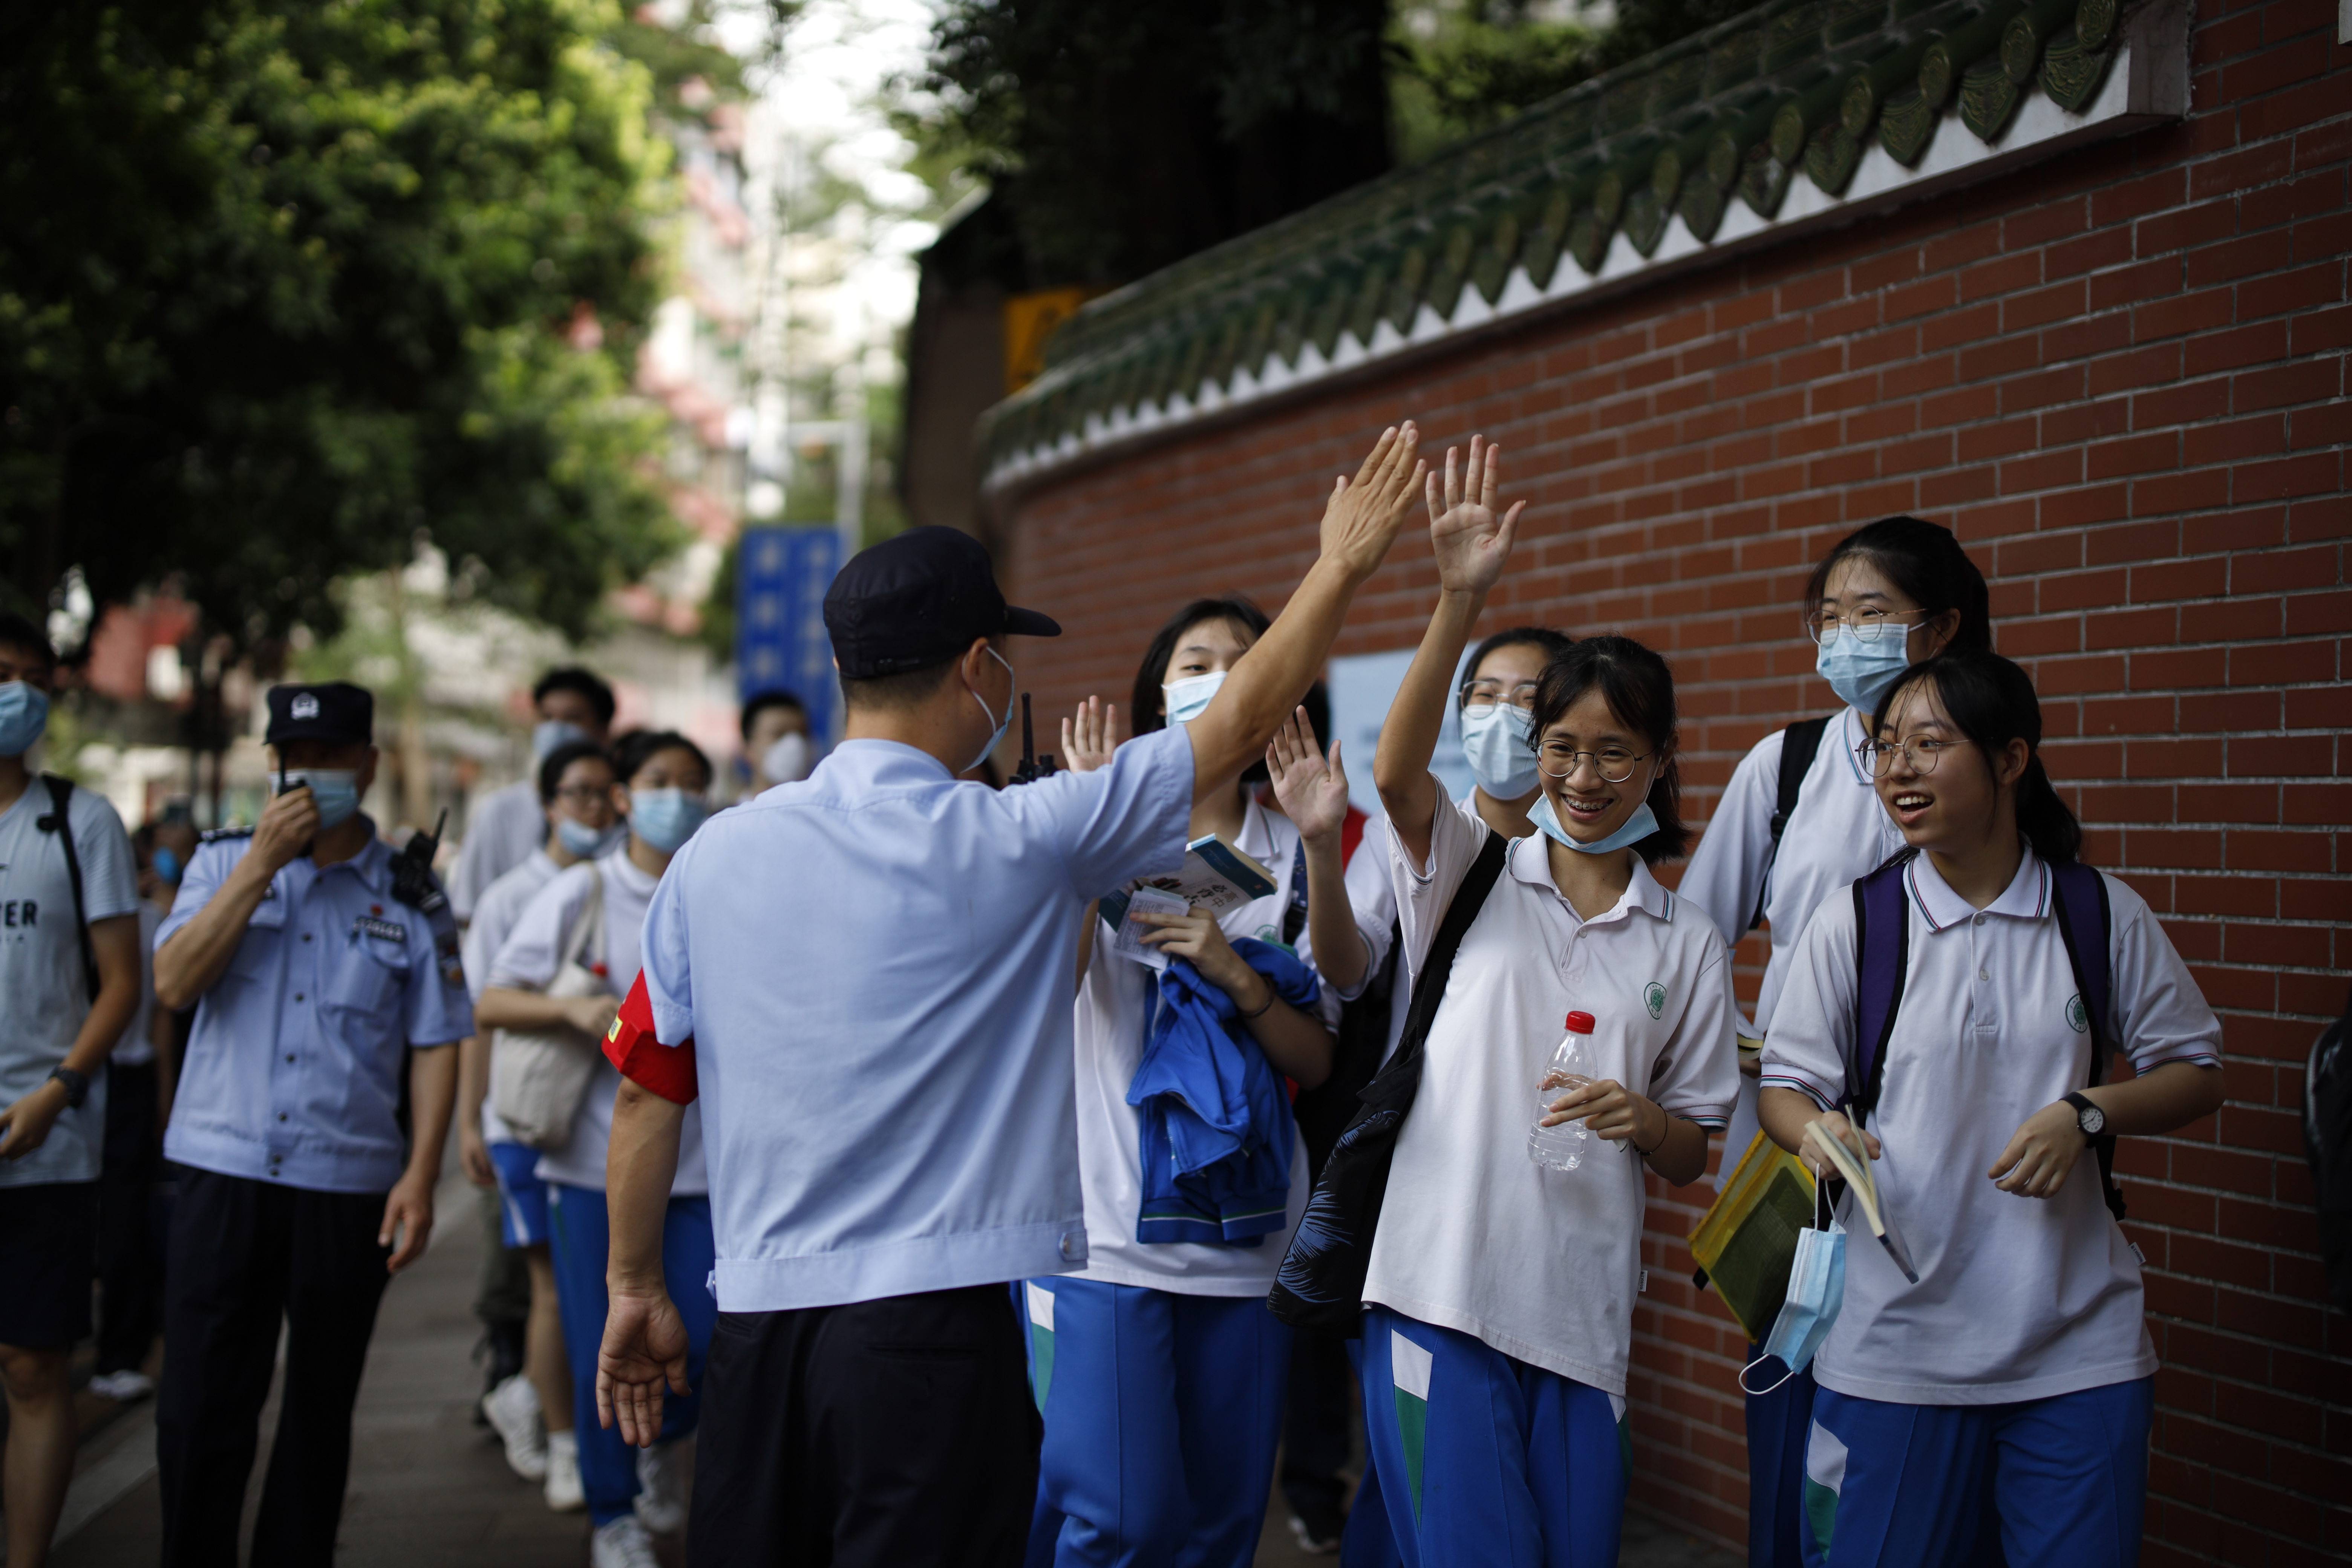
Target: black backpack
(1799, 744)
(1324, 1112)
(1321, 1281)
(60, 821)
(2327, 1142)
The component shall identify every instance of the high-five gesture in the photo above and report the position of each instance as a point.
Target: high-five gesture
(1312, 790)
(1471, 541)
(1089, 738)
(1363, 515)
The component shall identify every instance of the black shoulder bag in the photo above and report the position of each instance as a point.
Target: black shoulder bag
(1321, 1281)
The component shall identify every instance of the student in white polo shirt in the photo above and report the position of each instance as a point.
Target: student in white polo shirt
(873, 967)
(1500, 1291)
(2019, 1363)
(1885, 596)
(1163, 1393)
(664, 781)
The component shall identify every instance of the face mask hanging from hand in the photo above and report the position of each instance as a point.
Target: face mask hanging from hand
(1494, 741)
(1816, 1291)
(336, 791)
(1188, 699)
(24, 715)
(1861, 672)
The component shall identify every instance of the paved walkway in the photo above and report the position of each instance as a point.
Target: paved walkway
(428, 1488)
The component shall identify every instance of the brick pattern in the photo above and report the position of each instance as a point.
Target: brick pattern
(2121, 378)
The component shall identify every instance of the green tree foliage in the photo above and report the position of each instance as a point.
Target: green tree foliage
(286, 284)
(1131, 135)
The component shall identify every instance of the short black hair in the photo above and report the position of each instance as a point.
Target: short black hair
(902, 691)
(552, 766)
(759, 702)
(1144, 716)
(1552, 643)
(1640, 689)
(632, 755)
(1926, 562)
(1993, 703)
(17, 632)
(574, 678)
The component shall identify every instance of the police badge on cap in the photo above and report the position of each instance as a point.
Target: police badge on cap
(335, 711)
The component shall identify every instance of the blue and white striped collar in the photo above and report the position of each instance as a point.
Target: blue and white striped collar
(2027, 897)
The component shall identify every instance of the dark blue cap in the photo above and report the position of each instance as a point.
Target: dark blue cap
(331, 710)
(917, 599)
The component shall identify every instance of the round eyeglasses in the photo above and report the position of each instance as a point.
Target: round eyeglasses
(1867, 623)
(1921, 753)
(1481, 696)
(1615, 764)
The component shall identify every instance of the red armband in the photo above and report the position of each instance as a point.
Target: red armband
(644, 1060)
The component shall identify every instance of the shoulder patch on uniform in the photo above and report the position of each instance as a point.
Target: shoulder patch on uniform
(222, 835)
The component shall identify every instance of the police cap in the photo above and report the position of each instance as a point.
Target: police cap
(331, 710)
(917, 599)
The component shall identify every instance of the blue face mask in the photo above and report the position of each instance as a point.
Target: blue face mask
(1861, 672)
(588, 843)
(1816, 1291)
(666, 818)
(1638, 827)
(1188, 699)
(549, 733)
(336, 791)
(1494, 741)
(167, 867)
(24, 715)
(1013, 690)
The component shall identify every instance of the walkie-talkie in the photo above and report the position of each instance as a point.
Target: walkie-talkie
(1033, 766)
(413, 884)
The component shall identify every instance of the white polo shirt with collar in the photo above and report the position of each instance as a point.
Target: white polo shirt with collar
(1541, 1265)
(2018, 1297)
(876, 966)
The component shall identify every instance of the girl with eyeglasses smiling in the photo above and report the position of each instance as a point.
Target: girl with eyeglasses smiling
(2016, 1368)
(1500, 1292)
(1797, 821)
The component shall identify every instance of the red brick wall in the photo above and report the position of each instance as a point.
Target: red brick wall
(2121, 377)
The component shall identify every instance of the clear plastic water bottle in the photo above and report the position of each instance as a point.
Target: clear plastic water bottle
(1564, 1147)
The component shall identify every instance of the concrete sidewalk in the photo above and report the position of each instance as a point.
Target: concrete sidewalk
(429, 1489)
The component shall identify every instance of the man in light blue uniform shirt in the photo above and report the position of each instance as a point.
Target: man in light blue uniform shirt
(876, 967)
(315, 981)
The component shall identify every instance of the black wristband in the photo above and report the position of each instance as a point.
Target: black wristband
(77, 1086)
(1272, 996)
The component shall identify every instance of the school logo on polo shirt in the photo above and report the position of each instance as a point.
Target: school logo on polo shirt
(2078, 1017)
(1654, 997)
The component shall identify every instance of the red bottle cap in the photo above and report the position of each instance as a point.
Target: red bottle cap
(1579, 1022)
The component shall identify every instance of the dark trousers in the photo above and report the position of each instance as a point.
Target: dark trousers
(129, 1222)
(1315, 1424)
(502, 1288)
(875, 1435)
(243, 1255)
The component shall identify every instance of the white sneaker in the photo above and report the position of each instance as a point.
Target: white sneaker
(125, 1388)
(623, 1544)
(563, 1493)
(512, 1410)
(661, 1501)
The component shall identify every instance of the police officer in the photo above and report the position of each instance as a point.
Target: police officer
(310, 953)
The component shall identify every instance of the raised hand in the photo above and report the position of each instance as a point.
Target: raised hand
(1312, 790)
(1472, 542)
(1363, 515)
(1089, 738)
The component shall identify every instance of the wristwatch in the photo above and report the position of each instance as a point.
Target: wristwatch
(77, 1086)
(2087, 1116)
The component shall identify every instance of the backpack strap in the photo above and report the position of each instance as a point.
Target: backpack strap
(1402, 1072)
(1882, 940)
(1798, 744)
(1294, 917)
(60, 821)
(2078, 900)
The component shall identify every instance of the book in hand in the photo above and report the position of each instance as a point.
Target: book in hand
(1853, 1165)
(1127, 935)
(1216, 878)
(1747, 1239)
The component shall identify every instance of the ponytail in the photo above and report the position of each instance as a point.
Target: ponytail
(1993, 703)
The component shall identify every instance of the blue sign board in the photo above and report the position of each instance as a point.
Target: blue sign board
(781, 575)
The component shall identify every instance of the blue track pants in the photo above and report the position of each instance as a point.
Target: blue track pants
(1484, 1461)
(582, 1243)
(1162, 1412)
(1778, 1423)
(1906, 1484)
